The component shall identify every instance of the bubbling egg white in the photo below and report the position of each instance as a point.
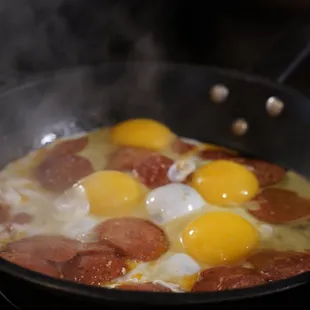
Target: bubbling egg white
(172, 201)
(73, 203)
(169, 271)
(67, 214)
(181, 169)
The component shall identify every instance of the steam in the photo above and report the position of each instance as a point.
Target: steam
(39, 36)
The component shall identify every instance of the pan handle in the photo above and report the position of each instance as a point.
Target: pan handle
(286, 54)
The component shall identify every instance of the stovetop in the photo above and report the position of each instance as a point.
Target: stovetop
(38, 36)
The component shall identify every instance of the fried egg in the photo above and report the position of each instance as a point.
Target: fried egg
(173, 270)
(172, 201)
(112, 193)
(225, 183)
(216, 238)
(144, 133)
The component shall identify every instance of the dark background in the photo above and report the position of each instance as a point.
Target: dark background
(40, 35)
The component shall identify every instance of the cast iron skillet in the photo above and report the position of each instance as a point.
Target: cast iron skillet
(82, 99)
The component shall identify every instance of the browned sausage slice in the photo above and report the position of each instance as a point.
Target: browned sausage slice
(145, 287)
(53, 248)
(124, 158)
(60, 173)
(181, 147)
(211, 154)
(278, 206)
(227, 278)
(137, 238)
(94, 268)
(266, 173)
(68, 147)
(21, 218)
(152, 171)
(28, 261)
(4, 213)
(96, 247)
(276, 265)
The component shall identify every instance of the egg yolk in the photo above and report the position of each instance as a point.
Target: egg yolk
(219, 237)
(223, 183)
(142, 133)
(112, 193)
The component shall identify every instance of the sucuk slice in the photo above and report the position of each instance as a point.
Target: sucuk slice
(60, 173)
(28, 261)
(4, 213)
(136, 238)
(266, 173)
(53, 248)
(124, 158)
(152, 171)
(68, 147)
(279, 206)
(211, 154)
(143, 287)
(277, 265)
(21, 218)
(96, 247)
(94, 268)
(227, 278)
(180, 147)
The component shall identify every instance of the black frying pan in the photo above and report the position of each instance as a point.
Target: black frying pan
(179, 95)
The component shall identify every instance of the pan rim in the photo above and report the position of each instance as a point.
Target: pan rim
(138, 297)
(45, 76)
(110, 295)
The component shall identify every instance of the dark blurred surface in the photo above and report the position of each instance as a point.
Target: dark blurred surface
(38, 36)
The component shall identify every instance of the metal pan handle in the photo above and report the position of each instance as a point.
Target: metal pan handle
(286, 54)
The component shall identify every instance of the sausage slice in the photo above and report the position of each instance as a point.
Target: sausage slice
(94, 268)
(21, 218)
(28, 261)
(279, 206)
(152, 171)
(61, 172)
(4, 213)
(276, 265)
(68, 147)
(96, 247)
(124, 158)
(266, 173)
(53, 248)
(210, 154)
(180, 147)
(227, 278)
(137, 238)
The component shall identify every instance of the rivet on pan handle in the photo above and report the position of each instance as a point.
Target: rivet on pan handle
(240, 127)
(219, 93)
(274, 106)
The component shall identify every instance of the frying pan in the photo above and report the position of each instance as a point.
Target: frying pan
(78, 100)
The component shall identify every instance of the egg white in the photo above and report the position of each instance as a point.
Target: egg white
(172, 201)
(169, 271)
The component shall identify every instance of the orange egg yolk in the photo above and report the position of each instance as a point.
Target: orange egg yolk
(144, 133)
(223, 183)
(112, 193)
(217, 238)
